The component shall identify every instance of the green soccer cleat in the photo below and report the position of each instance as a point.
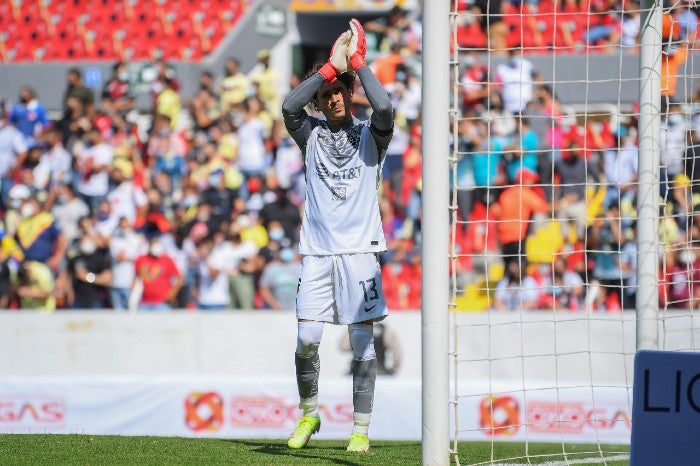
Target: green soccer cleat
(358, 442)
(306, 427)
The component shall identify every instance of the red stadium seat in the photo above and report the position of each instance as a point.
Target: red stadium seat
(55, 29)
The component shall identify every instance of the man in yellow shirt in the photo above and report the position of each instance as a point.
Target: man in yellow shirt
(36, 287)
(168, 102)
(266, 79)
(233, 87)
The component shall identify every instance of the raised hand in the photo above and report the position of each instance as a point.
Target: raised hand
(358, 45)
(338, 60)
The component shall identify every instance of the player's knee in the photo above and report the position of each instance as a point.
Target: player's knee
(309, 338)
(362, 341)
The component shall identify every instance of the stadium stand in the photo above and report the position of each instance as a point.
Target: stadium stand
(45, 30)
(179, 186)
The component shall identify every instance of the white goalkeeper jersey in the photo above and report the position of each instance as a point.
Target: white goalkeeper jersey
(343, 170)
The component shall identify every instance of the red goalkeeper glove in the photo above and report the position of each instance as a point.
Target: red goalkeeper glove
(338, 60)
(358, 45)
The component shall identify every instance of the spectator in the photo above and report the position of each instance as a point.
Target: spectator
(90, 269)
(219, 197)
(388, 29)
(612, 246)
(606, 33)
(252, 154)
(673, 138)
(13, 151)
(56, 164)
(574, 173)
(522, 150)
(124, 247)
(76, 89)
(516, 291)
(386, 66)
(233, 86)
(163, 73)
(39, 236)
(126, 200)
(517, 79)
(213, 271)
(474, 82)
(68, 211)
(35, 287)
(243, 266)
(93, 169)
(117, 89)
(265, 80)
(278, 282)
(159, 278)
(8, 268)
(168, 102)
(516, 213)
(680, 279)
(284, 211)
(620, 165)
(28, 115)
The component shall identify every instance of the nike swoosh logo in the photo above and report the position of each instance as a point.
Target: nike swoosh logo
(367, 309)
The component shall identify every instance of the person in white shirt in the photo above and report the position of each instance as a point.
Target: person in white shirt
(125, 246)
(252, 155)
(93, 169)
(126, 199)
(13, 151)
(68, 211)
(517, 77)
(214, 262)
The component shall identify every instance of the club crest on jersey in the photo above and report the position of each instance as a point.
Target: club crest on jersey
(339, 193)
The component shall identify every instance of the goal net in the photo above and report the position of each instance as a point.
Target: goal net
(575, 126)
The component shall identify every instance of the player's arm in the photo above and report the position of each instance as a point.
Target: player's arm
(295, 117)
(382, 119)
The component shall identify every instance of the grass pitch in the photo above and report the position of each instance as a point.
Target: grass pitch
(76, 450)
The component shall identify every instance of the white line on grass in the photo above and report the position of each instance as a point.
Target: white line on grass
(572, 461)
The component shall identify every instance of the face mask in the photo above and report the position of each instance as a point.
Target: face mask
(469, 62)
(87, 247)
(189, 201)
(214, 180)
(27, 210)
(123, 76)
(156, 250)
(276, 234)
(287, 255)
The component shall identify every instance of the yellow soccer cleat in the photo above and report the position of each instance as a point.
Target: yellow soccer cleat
(306, 427)
(358, 442)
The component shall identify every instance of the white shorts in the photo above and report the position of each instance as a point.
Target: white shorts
(343, 289)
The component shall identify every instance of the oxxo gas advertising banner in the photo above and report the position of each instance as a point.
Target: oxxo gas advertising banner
(201, 406)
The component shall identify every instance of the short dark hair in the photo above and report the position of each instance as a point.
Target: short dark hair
(348, 77)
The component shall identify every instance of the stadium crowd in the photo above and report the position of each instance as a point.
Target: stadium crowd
(201, 208)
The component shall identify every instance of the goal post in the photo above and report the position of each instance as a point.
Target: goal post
(648, 191)
(558, 370)
(435, 233)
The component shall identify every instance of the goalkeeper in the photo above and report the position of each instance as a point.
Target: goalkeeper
(341, 232)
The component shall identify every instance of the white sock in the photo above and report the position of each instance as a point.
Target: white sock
(309, 406)
(361, 423)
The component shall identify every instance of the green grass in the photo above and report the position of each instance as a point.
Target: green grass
(96, 450)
